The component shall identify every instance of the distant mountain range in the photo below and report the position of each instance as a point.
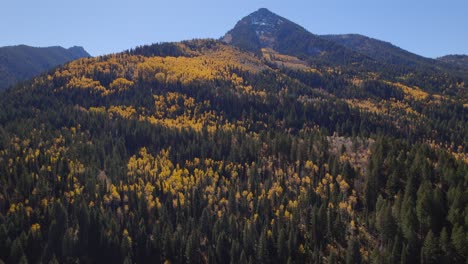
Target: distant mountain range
(18, 63)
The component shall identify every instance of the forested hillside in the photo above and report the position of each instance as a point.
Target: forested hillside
(19, 63)
(460, 61)
(200, 152)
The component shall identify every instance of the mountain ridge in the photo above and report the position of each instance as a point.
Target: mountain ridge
(21, 62)
(265, 29)
(377, 49)
(457, 60)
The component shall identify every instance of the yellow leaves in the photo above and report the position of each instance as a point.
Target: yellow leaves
(301, 249)
(147, 172)
(309, 165)
(107, 200)
(12, 209)
(284, 60)
(99, 110)
(126, 236)
(157, 202)
(277, 213)
(181, 69)
(181, 198)
(270, 233)
(121, 84)
(208, 65)
(366, 105)
(414, 93)
(114, 194)
(344, 186)
(126, 112)
(35, 228)
(342, 205)
(352, 225)
(175, 203)
(160, 77)
(143, 165)
(275, 191)
(149, 189)
(287, 215)
(306, 180)
(250, 197)
(292, 204)
(44, 203)
(76, 167)
(85, 83)
(179, 111)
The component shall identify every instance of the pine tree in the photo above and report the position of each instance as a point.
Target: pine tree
(445, 246)
(5, 242)
(16, 251)
(460, 240)
(189, 251)
(331, 258)
(222, 248)
(23, 260)
(404, 254)
(262, 249)
(234, 252)
(353, 256)
(430, 250)
(281, 246)
(53, 260)
(424, 207)
(243, 258)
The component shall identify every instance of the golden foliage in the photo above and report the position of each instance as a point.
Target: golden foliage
(286, 60)
(121, 84)
(35, 228)
(124, 69)
(412, 93)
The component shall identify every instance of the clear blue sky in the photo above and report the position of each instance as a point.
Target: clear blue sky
(430, 28)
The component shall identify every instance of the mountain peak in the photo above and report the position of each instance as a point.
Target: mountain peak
(265, 29)
(263, 19)
(263, 10)
(79, 51)
(257, 30)
(264, 13)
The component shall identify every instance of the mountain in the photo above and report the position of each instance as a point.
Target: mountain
(385, 52)
(273, 37)
(379, 50)
(460, 61)
(19, 63)
(200, 151)
(266, 30)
